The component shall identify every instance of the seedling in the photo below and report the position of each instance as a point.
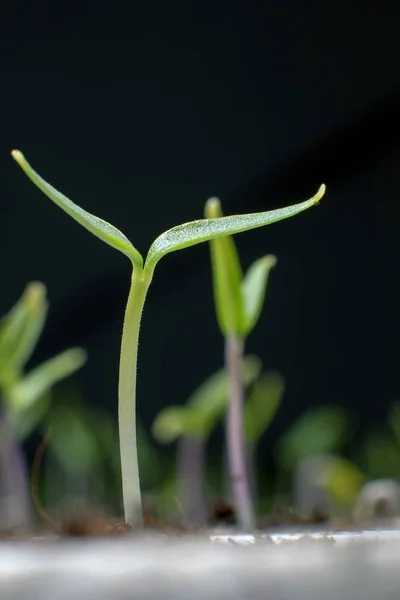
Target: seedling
(192, 424)
(25, 398)
(176, 238)
(238, 303)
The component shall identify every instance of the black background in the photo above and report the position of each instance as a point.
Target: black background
(141, 111)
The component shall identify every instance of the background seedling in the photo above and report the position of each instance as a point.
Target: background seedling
(25, 398)
(192, 425)
(176, 238)
(308, 453)
(260, 409)
(238, 304)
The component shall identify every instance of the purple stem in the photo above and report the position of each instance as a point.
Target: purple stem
(14, 488)
(191, 480)
(235, 435)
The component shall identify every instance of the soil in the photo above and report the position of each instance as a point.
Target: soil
(221, 520)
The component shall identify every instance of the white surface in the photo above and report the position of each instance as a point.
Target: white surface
(162, 567)
(340, 537)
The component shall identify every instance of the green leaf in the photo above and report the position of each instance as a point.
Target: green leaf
(20, 330)
(342, 479)
(73, 443)
(262, 405)
(175, 421)
(381, 454)
(212, 395)
(319, 430)
(103, 230)
(204, 230)
(204, 407)
(26, 422)
(227, 277)
(41, 379)
(254, 287)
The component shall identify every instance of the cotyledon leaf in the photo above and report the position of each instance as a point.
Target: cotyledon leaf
(254, 286)
(227, 276)
(203, 230)
(41, 379)
(20, 330)
(102, 229)
(205, 406)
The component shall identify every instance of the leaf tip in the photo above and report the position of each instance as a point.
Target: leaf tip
(80, 355)
(320, 193)
(36, 295)
(270, 260)
(17, 156)
(213, 208)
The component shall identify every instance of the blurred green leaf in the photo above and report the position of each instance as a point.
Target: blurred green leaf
(381, 455)
(262, 405)
(212, 394)
(73, 442)
(20, 330)
(28, 420)
(101, 229)
(40, 380)
(175, 421)
(342, 479)
(227, 277)
(253, 289)
(318, 431)
(204, 407)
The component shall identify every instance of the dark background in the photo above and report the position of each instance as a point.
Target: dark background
(141, 111)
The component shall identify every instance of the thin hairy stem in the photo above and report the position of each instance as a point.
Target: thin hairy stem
(235, 434)
(127, 399)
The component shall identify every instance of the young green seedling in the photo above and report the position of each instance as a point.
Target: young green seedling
(176, 238)
(192, 424)
(238, 303)
(25, 398)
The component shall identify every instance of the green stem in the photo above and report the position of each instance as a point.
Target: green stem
(127, 398)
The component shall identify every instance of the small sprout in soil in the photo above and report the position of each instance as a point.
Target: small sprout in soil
(192, 425)
(177, 238)
(25, 398)
(238, 303)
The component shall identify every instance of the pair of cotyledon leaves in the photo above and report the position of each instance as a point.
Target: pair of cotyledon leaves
(182, 236)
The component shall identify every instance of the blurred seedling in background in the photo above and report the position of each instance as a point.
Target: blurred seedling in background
(309, 454)
(260, 408)
(176, 238)
(25, 397)
(192, 425)
(379, 498)
(80, 465)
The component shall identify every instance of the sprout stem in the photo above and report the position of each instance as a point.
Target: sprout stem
(235, 434)
(14, 496)
(191, 477)
(127, 399)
